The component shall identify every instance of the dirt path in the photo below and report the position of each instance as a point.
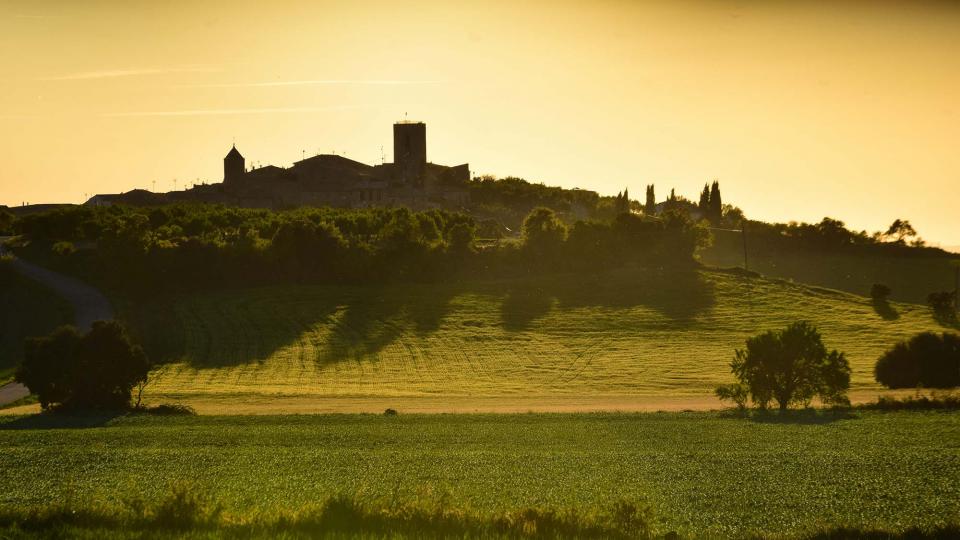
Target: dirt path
(88, 305)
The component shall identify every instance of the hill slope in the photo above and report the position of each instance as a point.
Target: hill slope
(618, 341)
(911, 278)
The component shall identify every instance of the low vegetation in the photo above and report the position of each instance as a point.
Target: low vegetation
(699, 474)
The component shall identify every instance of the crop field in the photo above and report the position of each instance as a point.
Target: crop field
(615, 342)
(702, 473)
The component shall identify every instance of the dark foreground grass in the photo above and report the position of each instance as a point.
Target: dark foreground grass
(701, 474)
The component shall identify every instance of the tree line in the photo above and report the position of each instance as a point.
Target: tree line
(202, 246)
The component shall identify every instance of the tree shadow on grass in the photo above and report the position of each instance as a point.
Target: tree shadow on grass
(54, 420)
(524, 303)
(679, 294)
(376, 319)
(886, 311)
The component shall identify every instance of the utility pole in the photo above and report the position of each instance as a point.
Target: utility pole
(743, 234)
(956, 290)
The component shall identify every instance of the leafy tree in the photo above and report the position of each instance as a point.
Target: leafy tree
(96, 370)
(901, 229)
(460, 238)
(790, 366)
(543, 233)
(7, 220)
(47, 367)
(927, 359)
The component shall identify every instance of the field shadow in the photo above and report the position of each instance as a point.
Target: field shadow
(523, 304)
(53, 420)
(681, 295)
(335, 324)
(369, 325)
(886, 311)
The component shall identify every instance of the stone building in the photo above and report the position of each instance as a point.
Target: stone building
(333, 180)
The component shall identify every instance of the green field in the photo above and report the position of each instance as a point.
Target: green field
(624, 341)
(28, 309)
(703, 473)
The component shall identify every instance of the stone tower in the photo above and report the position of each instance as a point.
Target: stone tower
(233, 166)
(410, 149)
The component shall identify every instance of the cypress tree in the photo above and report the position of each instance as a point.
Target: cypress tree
(705, 200)
(716, 203)
(650, 207)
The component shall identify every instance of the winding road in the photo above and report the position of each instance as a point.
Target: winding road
(88, 304)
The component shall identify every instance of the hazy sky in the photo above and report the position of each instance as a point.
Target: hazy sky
(800, 109)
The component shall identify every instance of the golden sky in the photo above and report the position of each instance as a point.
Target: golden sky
(800, 109)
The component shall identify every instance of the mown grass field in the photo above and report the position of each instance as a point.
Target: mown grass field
(26, 309)
(623, 341)
(703, 473)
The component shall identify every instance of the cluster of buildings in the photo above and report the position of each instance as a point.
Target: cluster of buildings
(327, 180)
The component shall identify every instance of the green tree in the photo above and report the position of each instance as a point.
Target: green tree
(790, 366)
(927, 359)
(97, 370)
(460, 238)
(901, 229)
(543, 234)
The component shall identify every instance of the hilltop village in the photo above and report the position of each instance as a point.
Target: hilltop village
(327, 180)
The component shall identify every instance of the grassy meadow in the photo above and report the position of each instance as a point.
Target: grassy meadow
(701, 473)
(622, 340)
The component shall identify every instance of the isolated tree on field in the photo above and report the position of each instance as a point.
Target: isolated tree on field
(879, 292)
(97, 370)
(650, 206)
(901, 229)
(543, 233)
(789, 367)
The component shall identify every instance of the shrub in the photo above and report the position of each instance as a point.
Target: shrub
(63, 248)
(927, 359)
(96, 370)
(879, 292)
(943, 304)
(789, 366)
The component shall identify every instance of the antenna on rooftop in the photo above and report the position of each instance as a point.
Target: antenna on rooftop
(383, 157)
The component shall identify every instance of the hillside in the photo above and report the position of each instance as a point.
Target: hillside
(28, 309)
(912, 275)
(618, 341)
